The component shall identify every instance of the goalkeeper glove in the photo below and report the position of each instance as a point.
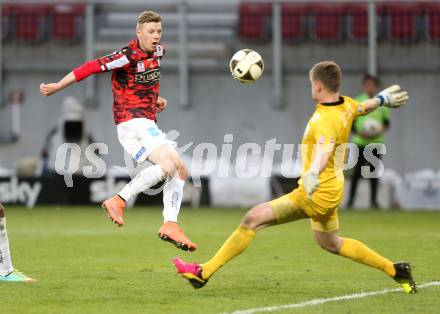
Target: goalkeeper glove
(392, 97)
(310, 181)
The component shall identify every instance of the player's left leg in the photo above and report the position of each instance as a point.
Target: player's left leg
(139, 137)
(257, 218)
(282, 210)
(169, 160)
(7, 272)
(326, 235)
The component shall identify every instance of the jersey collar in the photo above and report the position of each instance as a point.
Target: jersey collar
(335, 103)
(137, 46)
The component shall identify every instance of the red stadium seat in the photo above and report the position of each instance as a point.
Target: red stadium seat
(403, 21)
(254, 20)
(357, 21)
(432, 11)
(67, 22)
(30, 21)
(294, 21)
(328, 22)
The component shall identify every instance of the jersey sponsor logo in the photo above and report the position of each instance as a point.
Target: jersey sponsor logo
(361, 108)
(140, 66)
(147, 77)
(20, 192)
(153, 131)
(159, 51)
(118, 63)
(139, 154)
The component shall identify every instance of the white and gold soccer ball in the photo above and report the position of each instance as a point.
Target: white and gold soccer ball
(246, 66)
(372, 127)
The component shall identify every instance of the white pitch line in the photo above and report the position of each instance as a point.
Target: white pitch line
(358, 295)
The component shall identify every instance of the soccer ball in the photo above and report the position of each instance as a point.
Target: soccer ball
(246, 66)
(372, 127)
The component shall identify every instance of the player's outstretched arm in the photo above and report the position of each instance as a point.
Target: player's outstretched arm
(51, 88)
(392, 97)
(78, 74)
(116, 60)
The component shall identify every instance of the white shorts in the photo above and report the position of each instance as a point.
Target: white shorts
(140, 136)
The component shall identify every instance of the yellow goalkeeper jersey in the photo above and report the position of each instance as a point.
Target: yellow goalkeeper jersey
(329, 129)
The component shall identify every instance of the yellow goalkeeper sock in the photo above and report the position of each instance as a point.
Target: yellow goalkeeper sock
(234, 245)
(361, 253)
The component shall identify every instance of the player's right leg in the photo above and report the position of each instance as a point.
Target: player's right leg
(326, 235)
(284, 209)
(115, 206)
(7, 271)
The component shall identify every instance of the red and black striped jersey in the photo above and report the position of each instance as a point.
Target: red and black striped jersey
(135, 80)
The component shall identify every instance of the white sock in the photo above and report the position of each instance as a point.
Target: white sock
(5, 255)
(144, 180)
(172, 198)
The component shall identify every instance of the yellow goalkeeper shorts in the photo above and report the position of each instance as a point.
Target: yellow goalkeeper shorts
(297, 205)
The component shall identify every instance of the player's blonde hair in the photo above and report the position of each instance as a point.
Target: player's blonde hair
(148, 17)
(328, 73)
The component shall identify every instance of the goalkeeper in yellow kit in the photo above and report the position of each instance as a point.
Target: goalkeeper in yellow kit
(321, 185)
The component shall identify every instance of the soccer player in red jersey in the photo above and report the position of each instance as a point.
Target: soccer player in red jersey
(135, 85)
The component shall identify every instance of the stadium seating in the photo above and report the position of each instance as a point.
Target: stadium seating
(403, 20)
(432, 16)
(67, 22)
(254, 20)
(33, 23)
(294, 21)
(327, 22)
(30, 21)
(357, 21)
(400, 22)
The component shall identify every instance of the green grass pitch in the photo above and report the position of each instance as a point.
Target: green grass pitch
(85, 264)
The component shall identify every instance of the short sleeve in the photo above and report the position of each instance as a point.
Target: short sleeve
(358, 109)
(116, 60)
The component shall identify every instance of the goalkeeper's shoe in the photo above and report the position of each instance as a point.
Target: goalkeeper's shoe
(115, 207)
(16, 276)
(190, 271)
(404, 277)
(171, 232)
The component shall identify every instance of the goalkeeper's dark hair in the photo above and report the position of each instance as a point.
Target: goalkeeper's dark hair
(148, 17)
(368, 77)
(328, 73)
